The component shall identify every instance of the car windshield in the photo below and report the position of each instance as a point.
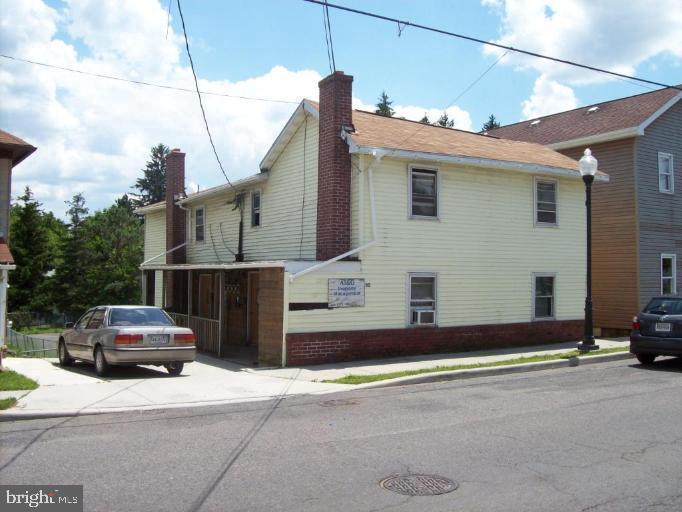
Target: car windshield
(138, 316)
(664, 305)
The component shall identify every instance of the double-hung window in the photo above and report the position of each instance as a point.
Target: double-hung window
(668, 274)
(665, 173)
(255, 208)
(422, 297)
(545, 203)
(199, 223)
(544, 294)
(423, 193)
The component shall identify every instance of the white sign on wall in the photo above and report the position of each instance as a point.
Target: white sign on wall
(346, 293)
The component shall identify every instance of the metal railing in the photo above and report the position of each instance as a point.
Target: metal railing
(206, 330)
(31, 346)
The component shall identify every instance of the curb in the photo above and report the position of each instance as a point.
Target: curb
(497, 370)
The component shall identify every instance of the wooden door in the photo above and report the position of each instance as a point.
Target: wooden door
(252, 309)
(205, 295)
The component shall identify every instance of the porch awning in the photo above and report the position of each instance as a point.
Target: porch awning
(244, 265)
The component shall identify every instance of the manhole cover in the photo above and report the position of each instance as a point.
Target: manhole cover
(419, 485)
(338, 403)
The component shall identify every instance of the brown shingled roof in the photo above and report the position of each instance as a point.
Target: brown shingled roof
(5, 254)
(17, 148)
(610, 116)
(374, 130)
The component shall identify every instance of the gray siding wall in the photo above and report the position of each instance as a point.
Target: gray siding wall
(659, 214)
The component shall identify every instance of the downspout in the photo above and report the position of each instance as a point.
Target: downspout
(378, 155)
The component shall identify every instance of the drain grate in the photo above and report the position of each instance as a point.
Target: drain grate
(338, 403)
(419, 485)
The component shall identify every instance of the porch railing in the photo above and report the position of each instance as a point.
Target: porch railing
(207, 331)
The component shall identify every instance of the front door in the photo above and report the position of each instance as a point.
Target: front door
(252, 309)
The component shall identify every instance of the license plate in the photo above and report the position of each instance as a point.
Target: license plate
(663, 327)
(157, 339)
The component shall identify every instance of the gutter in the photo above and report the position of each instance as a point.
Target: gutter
(625, 133)
(378, 154)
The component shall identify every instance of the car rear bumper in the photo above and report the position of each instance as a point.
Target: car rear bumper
(655, 345)
(150, 355)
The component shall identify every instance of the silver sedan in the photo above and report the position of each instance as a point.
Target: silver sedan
(127, 335)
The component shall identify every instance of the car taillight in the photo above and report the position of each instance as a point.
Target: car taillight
(636, 326)
(185, 338)
(128, 339)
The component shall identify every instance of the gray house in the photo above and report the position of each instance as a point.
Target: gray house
(637, 216)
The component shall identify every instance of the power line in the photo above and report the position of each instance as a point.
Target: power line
(141, 82)
(326, 40)
(329, 28)
(403, 23)
(201, 104)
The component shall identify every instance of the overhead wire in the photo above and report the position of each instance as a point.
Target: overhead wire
(201, 104)
(329, 29)
(141, 82)
(405, 23)
(326, 40)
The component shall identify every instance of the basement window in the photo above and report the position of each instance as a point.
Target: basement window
(668, 274)
(543, 296)
(422, 293)
(665, 173)
(423, 193)
(255, 208)
(199, 223)
(545, 203)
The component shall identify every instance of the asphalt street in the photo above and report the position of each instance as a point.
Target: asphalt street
(604, 437)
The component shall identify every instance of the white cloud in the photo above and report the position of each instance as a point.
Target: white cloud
(94, 135)
(461, 117)
(548, 97)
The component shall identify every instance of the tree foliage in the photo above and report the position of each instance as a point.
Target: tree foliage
(152, 185)
(444, 120)
(490, 124)
(384, 106)
(425, 119)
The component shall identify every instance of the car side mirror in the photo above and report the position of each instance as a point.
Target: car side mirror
(68, 325)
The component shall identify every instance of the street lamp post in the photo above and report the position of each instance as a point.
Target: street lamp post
(588, 168)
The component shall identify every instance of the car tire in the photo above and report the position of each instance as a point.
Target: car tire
(64, 358)
(645, 359)
(101, 365)
(175, 369)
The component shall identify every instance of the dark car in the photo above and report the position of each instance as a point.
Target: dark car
(657, 331)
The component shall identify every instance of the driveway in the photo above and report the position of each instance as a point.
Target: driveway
(207, 381)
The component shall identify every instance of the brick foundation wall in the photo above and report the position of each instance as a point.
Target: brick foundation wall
(328, 347)
(270, 315)
(334, 166)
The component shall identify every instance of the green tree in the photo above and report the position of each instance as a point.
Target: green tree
(444, 120)
(384, 106)
(31, 245)
(425, 119)
(490, 124)
(152, 185)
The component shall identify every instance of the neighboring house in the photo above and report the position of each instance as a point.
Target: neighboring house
(366, 236)
(637, 219)
(13, 150)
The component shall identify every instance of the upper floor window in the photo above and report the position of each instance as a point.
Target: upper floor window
(423, 193)
(665, 173)
(422, 293)
(543, 296)
(199, 223)
(255, 208)
(545, 203)
(668, 274)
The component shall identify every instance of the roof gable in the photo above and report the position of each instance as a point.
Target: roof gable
(17, 148)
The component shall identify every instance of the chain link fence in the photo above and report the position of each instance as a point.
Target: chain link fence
(24, 345)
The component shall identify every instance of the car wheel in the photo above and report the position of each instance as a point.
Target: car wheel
(101, 365)
(175, 368)
(64, 358)
(645, 358)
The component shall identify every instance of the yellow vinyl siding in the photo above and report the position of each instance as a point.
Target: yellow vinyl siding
(282, 234)
(484, 249)
(155, 244)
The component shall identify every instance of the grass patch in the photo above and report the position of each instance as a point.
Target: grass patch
(363, 379)
(12, 381)
(40, 330)
(6, 403)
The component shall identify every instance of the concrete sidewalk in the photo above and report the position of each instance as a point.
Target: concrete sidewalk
(207, 381)
(324, 372)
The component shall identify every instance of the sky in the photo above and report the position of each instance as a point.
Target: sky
(94, 135)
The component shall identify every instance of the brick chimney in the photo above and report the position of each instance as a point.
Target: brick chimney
(334, 170)
(175, 225)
